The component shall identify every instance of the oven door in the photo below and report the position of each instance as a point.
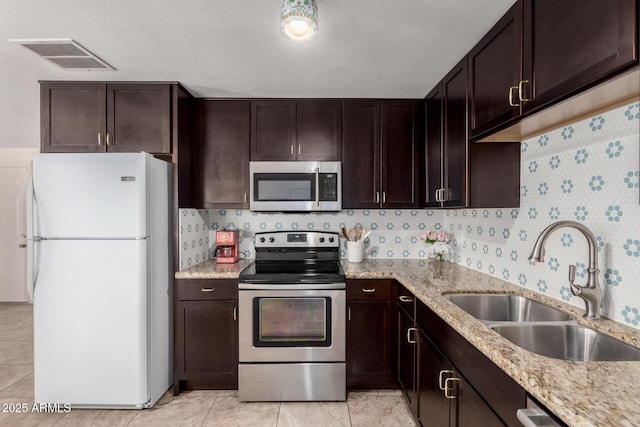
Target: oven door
(292, 325)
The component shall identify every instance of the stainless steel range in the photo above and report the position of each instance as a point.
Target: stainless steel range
(292, 307)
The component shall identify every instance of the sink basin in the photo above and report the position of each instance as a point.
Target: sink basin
(507, 308)
(568, 342)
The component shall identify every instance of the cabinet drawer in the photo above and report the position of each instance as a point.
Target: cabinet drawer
(206, 289)
(369, 290)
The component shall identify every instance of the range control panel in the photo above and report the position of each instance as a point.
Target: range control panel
(296, 239)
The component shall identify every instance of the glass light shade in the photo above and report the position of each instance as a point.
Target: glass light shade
(299, 20)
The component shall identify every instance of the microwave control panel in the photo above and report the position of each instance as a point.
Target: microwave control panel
(328, 187)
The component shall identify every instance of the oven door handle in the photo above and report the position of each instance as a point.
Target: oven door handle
(291, 287)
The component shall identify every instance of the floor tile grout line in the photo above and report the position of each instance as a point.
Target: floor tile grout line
(215, 399)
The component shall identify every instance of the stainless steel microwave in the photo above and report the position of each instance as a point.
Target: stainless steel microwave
(295, 186)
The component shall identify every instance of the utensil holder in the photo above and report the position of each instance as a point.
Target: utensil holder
(355, 251)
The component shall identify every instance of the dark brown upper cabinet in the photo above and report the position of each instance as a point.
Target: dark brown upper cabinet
(542, 52)
(494, 74)
(569, 45)
(284, 130)
(223, 153)
(447, 142)
(380, 153)
(460, 173)
(106, 117)
(361, 154)
(319, 130)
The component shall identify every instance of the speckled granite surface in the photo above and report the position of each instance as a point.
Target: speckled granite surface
(580, 393)
(209, 269)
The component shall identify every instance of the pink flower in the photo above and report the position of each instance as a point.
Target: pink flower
(442, 237)
(432, 235)
(423, 236)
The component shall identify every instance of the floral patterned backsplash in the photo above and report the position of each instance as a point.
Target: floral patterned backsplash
(587, 171)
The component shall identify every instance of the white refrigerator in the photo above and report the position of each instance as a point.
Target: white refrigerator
(100, 268)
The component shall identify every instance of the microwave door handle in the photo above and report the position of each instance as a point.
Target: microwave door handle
(317, 187)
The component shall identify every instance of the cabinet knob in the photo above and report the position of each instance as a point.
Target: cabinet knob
(521, 91)
(511, 89)
(448, 387)
(441, 377)
(409, 340)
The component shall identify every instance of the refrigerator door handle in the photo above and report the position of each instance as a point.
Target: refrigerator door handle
(31, 276)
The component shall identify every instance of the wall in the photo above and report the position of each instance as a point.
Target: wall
(587, 171)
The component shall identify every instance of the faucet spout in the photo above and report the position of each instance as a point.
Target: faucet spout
(591, 293)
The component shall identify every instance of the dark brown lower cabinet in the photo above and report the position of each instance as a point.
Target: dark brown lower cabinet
(446, 381)
(444, 397)
(371, 338)
(206, 335)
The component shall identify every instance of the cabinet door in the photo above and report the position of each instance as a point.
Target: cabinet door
(361, 154)
(433, 146)
(407, 358)
(370, 361)
(468, 408)
(455, 141)
(400, 133)
(273, 130)
(319, 130)
(224, 154)
(72, 117)
(139, 118)
(494, 67)
(571, 44)
(433, 406)
(207, 337)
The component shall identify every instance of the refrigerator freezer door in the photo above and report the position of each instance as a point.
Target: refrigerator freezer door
(90, 323)
(102, 195)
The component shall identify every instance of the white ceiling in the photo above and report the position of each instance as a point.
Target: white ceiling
(233, 48)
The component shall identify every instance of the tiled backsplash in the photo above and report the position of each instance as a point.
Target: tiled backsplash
(587, 171)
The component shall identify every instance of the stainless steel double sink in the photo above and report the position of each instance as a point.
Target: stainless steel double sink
(542, 329)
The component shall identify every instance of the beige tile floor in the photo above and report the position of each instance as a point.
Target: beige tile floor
(196, 408)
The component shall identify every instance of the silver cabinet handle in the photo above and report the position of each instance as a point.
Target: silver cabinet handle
(108, 144)
(99, 139)
(511, 89)
(244, 197)
(291, 151)
(439, 195)
(521, 91)
(208, 289)
(22, 245)
(377, 197)
(384, 197)
(404, 298)
(441, 377)
(299, 149)
(368, 291)
(349, 313)
(409, 340)
(448, 387)
(235, 313)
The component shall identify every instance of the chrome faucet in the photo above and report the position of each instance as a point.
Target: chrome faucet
(591, 293)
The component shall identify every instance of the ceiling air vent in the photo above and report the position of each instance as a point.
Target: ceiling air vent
(66, 54)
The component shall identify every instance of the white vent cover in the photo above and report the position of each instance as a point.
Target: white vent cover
(66, 54)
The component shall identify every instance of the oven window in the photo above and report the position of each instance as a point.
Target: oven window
(292, 322)
(282, 187)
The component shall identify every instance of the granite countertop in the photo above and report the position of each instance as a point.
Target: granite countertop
(580, 393)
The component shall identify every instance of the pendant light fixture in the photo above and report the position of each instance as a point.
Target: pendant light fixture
(299, 20)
